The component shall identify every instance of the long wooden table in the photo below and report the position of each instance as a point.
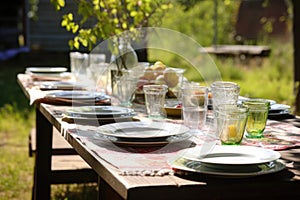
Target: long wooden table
(112, 185)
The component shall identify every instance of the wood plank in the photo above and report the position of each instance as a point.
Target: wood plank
(67, 157)
(237, 50)
(59, 145)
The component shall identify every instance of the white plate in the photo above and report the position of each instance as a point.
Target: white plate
(232, 155)
(58, 85)
(78, 95)
(279, 107)
(78, 118)
(241, 99)
(98, 111)
(182, 165)
(142, 130)
(46, 69)
(51, 76)
(158, 143)
(279, 113)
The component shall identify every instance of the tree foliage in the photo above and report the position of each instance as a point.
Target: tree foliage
(196, 19)
(101, 19)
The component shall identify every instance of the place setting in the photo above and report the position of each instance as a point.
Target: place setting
(70, 97)
(236, 121)
(58, 85)
(227, 161)
(46, 73)
(143, 133)
(98, 114)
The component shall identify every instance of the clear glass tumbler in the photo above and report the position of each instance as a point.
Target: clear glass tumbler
(155, 100)
(194, 106)
(126, 87)
(224, 92)
(78, 63)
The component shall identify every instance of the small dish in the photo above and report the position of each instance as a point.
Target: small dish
(173, 112)
(173, 108)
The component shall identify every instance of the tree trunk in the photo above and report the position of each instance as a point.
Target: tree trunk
(296, 31)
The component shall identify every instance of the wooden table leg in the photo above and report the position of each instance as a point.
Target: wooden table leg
(106, 192)
(42, 169)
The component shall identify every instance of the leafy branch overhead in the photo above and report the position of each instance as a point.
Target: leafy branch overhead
(102, 19)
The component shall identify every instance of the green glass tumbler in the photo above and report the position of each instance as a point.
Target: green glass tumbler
(257, 119)
(231, 122)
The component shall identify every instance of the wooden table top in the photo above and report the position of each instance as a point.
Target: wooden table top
(281, 184)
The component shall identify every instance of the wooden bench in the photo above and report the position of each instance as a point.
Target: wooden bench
(240, 51)
(67, 166)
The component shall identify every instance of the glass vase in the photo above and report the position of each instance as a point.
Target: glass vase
(123, 58)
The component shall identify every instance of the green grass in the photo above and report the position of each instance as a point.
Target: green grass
(16, 167)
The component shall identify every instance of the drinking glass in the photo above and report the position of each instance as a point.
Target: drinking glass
(79, 64)
(155, 100)
(231, 122)
(97, 72)
(96, 58)
(126, 87)
(258, 115)
(224, 92)
(194, 106)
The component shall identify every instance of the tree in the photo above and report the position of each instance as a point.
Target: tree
(102, 19)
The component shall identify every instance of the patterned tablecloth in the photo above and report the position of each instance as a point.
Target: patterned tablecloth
(277, 136)
(154, 160)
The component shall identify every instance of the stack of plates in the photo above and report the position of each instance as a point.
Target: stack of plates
(143, 133)
(105, 113)
(48, 73)
(279, 111)
(77, 95)
(229, 161)
(58, 85)
(46, 70)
